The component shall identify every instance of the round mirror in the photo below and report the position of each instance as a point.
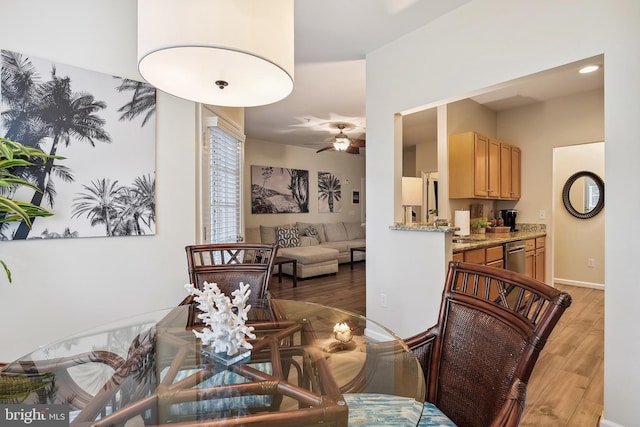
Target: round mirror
(583, 194)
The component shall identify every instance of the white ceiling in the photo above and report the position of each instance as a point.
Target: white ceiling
(555, 83)
(332, 38)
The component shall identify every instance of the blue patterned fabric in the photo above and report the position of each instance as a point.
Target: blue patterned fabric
(237, 403)
(382, 410)
(433, 417)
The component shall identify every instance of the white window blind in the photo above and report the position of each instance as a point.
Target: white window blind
(225, 172)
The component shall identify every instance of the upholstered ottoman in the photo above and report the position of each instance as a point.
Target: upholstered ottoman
(311, 260)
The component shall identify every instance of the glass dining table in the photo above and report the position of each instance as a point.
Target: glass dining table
(309, 365)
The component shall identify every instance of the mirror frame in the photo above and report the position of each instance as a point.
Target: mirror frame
(567, 188)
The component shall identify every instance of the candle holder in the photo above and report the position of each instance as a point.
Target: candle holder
(342, 332)
(343, 335)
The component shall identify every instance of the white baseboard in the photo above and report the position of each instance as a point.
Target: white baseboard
(376, 333)
(579, 283)
(606, 423)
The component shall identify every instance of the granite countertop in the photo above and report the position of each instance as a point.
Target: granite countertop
(477, 241)
(424, 227)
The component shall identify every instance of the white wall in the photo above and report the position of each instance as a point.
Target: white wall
(537, 129)
(427, 157)
(349, 167)
(467, 115)
(464, 116)
(64, 286)
(481, 44)
(576, 240)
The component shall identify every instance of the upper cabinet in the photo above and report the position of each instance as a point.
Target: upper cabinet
(509, 172)
(483, 168)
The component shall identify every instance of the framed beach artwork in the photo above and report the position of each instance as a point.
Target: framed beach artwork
(103, 127)
(279, 190)
(329, 193)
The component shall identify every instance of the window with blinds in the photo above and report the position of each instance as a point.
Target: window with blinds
(225, 171)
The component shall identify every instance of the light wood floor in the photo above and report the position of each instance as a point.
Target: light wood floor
(567, 385)
(566, 388)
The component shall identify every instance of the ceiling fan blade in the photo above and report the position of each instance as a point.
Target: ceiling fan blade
(353, 149)
(358, 143)
(328, 147)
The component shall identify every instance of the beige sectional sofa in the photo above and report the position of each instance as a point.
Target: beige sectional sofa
(319, 247)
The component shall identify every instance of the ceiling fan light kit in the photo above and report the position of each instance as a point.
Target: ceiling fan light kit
(233, 53)
(343, 143)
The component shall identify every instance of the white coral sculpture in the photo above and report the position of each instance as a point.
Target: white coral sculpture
(226, 330)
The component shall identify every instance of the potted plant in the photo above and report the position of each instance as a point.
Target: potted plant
(479, 225)
(14, 157)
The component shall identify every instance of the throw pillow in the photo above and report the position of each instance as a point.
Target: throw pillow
(267, 234)
(312, 232)
(287, 237)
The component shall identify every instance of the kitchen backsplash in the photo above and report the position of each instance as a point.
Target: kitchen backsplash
(532, 228)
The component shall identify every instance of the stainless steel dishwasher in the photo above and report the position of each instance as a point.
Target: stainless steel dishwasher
(514, 256)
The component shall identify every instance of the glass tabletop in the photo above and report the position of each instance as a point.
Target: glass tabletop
(309, 365)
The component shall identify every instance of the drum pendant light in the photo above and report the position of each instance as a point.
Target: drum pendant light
(233, 53)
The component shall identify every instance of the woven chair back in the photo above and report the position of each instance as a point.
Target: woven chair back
(493, 324)
(229, 264)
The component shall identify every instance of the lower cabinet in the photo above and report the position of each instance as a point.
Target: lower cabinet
(495, 256)
(534, 258)
(475, 256)
(491, 256)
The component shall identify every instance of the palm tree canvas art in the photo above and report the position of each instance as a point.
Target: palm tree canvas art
(279, 190)
(329, 193)
(104, 128)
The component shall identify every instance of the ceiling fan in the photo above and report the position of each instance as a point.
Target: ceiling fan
(343, 143)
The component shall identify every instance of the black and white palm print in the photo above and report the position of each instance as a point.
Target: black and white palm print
(103, 129)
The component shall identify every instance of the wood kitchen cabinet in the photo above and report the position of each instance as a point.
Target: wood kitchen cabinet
(539, 264)
(491, 256)
(529, 256)
(495, 256)
(534, 258)
(476, 168)
(475, 256)
(510, 162)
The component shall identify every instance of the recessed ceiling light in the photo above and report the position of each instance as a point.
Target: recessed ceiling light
(589, 69)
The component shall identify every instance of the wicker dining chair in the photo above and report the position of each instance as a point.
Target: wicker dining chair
(36, 382)
(228, 264)
(478, 359)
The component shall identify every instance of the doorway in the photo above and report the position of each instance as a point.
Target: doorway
(578, 244)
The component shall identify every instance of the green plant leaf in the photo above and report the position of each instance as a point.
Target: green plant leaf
(8, 205)
(8, 182)
(6, 270)
(15, 155)
(12, 163)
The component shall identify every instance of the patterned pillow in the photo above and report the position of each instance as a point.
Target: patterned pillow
(311, 232)
(287, 237)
